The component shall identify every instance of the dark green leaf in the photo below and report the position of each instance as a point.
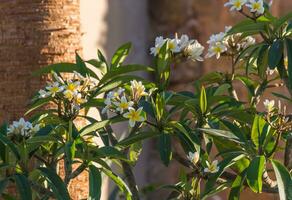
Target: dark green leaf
(203, 100)
(275, 54)
(237, 186)
(56, 184)
(255, 173)
(289, 55)
(221, 133)
(10, 145)
(94, 183)
(23, 187)
(284, 180)
(165, 148)
(140, 136)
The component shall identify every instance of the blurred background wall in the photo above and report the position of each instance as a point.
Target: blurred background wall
(34, 33)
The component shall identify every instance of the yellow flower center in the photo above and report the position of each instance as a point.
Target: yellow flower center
(54, 89)
(171, 45)
(237, 4)
(212, 168)
(68, 95)
(71, 87)
(256, 6)
(124, 105)
(134, 116)
(217, 49)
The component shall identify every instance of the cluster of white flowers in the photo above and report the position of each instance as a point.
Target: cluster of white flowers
(23, 128)
(222, 43)
(269, 105)
(118, 101)
(192, 49)
(74, 90)
(255, 6)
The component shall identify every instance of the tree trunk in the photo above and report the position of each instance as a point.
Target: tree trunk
(33, 34)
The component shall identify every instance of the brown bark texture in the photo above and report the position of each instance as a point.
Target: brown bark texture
(33, 34)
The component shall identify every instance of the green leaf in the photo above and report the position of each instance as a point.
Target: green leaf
(119, 182)
(289, 55)
(203, 100)
(107, 151)
(123, 70)
(98, 125)
(165, 148)
(3, 150)
(275, 54)
(260, 128)
(163, 59)
(23, 187)
(120, 55)
(262, 61)
(82, 69)
(38, 103)
(94, 183)
(255, 173)
(3, 184)
(236, 186)
(221, 133)
(56, 184)
(10, 145)
(140, 136)
(278, 23)
(247, 26)
(284, 180)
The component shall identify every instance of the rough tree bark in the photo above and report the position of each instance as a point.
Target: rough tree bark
(33, 34)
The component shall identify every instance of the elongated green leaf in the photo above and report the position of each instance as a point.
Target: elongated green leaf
(284, 180)
(41, 139)
(141, 136)
(94, 183)
(119, 182)
(221, 133)
(255, 173)
(3, 150)
(262, 61)
(289, 54)
(165, 148)
(123, 70)
(120, 55)
(248, 26)
(203, 100)
(98, 125)
(10, 145)
(275, 54)
(37, 104)
(259, 131)
(56, 184)
(107, 151)
(285, 19)
(3, 184)
(236, 186)
(163, 59)
(23, 187)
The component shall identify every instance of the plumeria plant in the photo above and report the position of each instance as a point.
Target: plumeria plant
(226, 142)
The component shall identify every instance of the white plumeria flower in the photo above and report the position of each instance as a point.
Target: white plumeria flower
(124, 104)
(269, 105)
(184, 42)
(194, 51)
(212, 168)
(78, 99)
(173, 45)
(134, 116)
(20, 127)
(193, 157)
(215, 38)
(53, 88)
(216, 49)
(43, 94)
(235, 4)
(159, 41)
(256, 6)
(68, 94)
(35, 128)
(72, 86)
(248, 41)
(138, 90)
